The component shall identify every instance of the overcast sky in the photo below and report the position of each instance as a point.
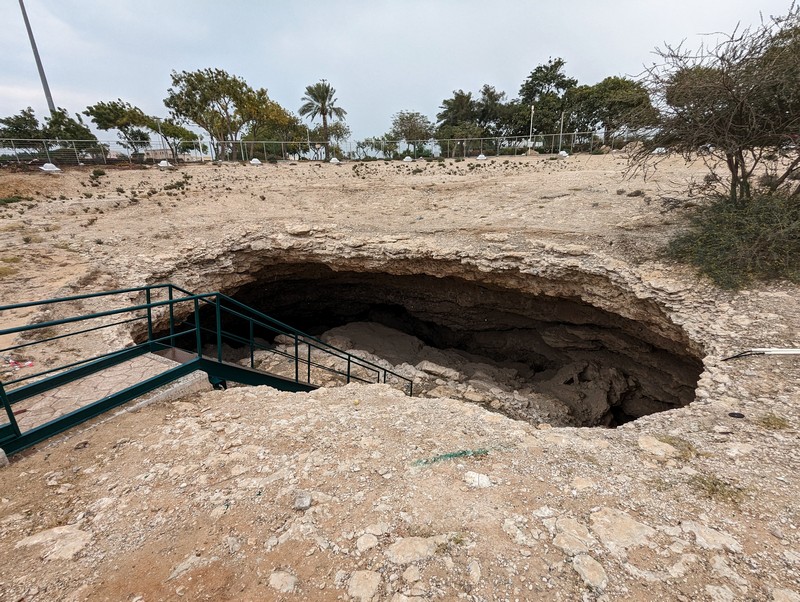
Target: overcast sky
(380, 56)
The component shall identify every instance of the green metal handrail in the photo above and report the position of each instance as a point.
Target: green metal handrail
(214, 299)
(185, 324)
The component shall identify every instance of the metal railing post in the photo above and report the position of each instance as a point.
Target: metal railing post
(11, 418)
(219, 329)
(198, 334)
(149, 314)
(296, 360)
(171, 318)
(348, 368)
(308, 363)
(252, 351)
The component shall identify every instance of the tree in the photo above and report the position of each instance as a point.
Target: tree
(459, 109)
(547, 88)
(60, 126)
(338, 131)
(738, 101)
(122, 116)
(214, 100)
(411, 126)
(458, 121)
(24, 126)
(264, 118)
(613, 104)
(177, 138)
(319, 101)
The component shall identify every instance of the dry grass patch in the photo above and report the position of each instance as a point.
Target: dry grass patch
(685, 449)
(716, 489)
(7, 270)
(773, 423)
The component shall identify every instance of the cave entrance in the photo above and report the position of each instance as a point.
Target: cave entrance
(564, 361)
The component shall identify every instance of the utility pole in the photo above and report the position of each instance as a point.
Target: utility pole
(47, 94)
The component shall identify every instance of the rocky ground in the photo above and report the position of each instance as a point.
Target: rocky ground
(360, 492)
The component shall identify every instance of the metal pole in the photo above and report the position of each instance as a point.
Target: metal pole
(252, 355)
(39, 66)
(530, 132)
(296, 360)
(561, 131)
(16, 154)
(149, 315)
(198, 334)
(171, 319)
(219, 330)
(77, 158)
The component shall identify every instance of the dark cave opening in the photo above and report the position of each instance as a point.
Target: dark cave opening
(608, 369)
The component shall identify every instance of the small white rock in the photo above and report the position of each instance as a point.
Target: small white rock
(477, 480)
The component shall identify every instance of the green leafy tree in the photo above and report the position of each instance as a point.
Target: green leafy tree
(547, 89)
(411, 126)
(215, 101)
(386, 145)
(459, 109)
(614, 104)
(319, 101)
(738, 101)
(265, 119)
(61, 126)
(127, 119)
(338, 132)
(177, 138)
(24, 126)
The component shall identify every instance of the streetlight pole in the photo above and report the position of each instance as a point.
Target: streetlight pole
(39, 66)
(530, 133)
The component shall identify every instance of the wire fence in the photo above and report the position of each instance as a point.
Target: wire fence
(106, 152)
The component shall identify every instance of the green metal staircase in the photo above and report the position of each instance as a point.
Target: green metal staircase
(171, 322)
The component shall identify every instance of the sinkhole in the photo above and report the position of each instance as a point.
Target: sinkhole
(543, 354)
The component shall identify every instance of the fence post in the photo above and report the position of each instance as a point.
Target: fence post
(13, 146)
(171, 319)
(308, 363)
(348, 368)
(252, 353)
(75, 148)
(219, 329)
(149, 315)
(198, 334)
(9, 411)
(296, 359)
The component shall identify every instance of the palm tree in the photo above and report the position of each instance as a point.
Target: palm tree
(319, 100)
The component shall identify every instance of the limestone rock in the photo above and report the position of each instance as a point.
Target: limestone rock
(437, 370)
(282, 581)
(618, 530)
(477, 480)
(302, 500)
(591, 571)
(63, 543)
(411, 549)
(366, 542)
(363, 585)
(656, 447)
(711, 539)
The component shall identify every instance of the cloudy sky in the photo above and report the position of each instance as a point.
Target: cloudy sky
(381, 56)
